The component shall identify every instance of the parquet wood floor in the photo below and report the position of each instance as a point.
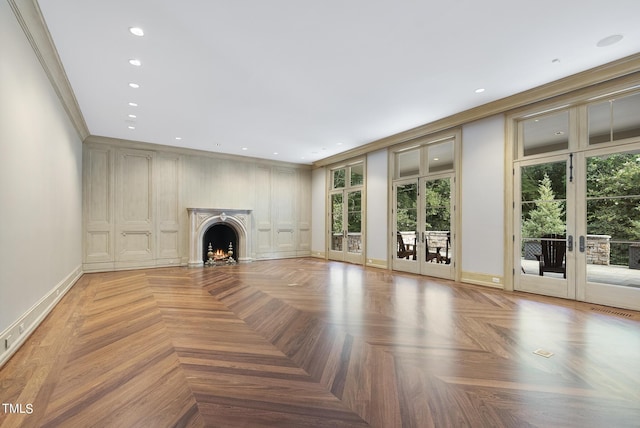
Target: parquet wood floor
(309, 343)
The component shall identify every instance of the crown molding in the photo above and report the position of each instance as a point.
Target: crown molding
(29, 16)
(185, 151)
(598, 75)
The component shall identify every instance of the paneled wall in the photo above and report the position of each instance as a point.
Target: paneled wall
(136, 198)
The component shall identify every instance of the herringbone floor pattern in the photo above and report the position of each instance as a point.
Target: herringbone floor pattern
(309, 343)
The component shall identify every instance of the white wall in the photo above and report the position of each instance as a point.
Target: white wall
(483, 197)
(318, 207)
(377, 187)
(40, 184)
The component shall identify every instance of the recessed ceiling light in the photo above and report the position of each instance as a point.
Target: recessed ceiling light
(133, 104)
(132, 116)
(436, 159)
(134, 85)
(131, 127)
(339, 144)
(275, 153)
(245, 148)
(178, 138)
(135, 62)
(610, 40)
(479, 90)
(136, 31)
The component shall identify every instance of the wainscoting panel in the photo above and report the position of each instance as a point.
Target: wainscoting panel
(98, 205)
(264, 243)
(98, 246)
(304, 212)
(134, 206)
(134, 188)
(135, 245)
(168, 207)
(284, 191)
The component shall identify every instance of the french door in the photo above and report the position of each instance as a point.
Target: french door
(578, 226)
(545, 221)
(345, 240)
(423, 218)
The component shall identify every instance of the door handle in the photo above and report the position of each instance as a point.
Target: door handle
(570, 243)
(582, 244)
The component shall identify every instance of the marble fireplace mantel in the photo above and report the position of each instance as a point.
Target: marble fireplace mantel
(200, 219)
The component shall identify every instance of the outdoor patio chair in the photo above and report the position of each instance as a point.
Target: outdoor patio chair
(552, 259)
(406, 251)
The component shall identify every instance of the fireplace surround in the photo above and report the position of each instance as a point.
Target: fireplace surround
(201, 219)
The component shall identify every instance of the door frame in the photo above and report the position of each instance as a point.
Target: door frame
(577, 104)
(556, 287)
(596, 292)
(453, 271)
(345, 255)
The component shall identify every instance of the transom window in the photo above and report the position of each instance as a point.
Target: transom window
(347, 176)
(432, 157)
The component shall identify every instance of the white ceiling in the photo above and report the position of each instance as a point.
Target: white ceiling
(309, 79)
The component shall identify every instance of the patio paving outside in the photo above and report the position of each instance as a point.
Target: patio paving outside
(612, 274)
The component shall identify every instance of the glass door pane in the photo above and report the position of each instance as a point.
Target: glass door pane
(406, 211)
(437, 225)
(354, 218)
(337, 229)
(544, 247)
(613, 219)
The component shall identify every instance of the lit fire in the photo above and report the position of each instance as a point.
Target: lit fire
(220, 255)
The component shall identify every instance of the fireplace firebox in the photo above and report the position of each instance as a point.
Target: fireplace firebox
(223, 241)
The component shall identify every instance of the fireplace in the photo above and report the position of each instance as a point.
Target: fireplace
(220, 227)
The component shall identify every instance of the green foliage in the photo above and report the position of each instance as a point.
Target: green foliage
(354, 213)
(613, 200)
(339, 176)
(336, 213)
(438, 204)
(548, 217)
(406, 207)
(532, 175)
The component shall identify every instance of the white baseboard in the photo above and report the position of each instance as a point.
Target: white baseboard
(377, 263)
(17, 333)
(486, 280)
